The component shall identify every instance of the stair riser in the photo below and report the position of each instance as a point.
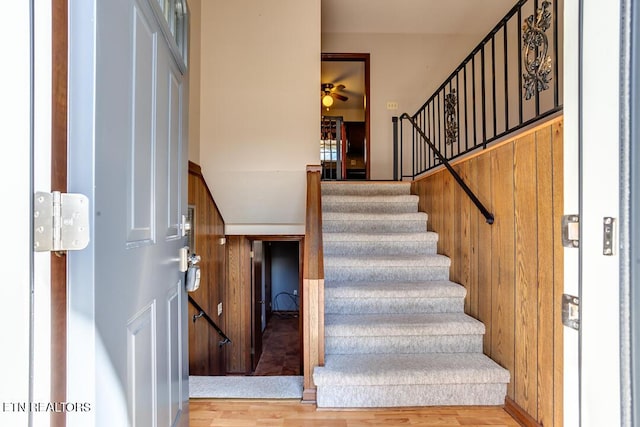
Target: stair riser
(374, 226)
(372, 273)
(404, 344)
(366, 207)
(380, 248)
(386, 396)
(392, 305)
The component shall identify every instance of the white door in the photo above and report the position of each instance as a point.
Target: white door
(600, 189)
(128, 154)
(592, 187)
(571, 111)
(16, 182)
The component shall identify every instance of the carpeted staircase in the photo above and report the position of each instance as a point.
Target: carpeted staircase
(395, 329)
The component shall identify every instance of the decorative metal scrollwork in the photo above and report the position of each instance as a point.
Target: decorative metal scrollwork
(537, 62)
(450, 118)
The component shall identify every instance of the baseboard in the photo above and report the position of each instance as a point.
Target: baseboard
(519, 414)
(309, 395)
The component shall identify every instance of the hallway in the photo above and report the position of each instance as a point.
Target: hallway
(281, 346)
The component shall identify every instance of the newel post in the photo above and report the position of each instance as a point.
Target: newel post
(313, 284)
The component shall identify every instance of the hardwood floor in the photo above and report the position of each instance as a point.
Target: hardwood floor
(280, 347)
(288, 413)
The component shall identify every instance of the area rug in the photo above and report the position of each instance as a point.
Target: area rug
(236, 387)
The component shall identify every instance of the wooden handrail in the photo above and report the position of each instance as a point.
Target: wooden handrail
(313, 284)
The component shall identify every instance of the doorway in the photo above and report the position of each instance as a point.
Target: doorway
(276, 321)
(345, 77)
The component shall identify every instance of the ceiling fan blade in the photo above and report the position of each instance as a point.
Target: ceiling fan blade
(340, 97)
(339, 87)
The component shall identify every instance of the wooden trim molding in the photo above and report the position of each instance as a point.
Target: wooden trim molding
(59, 89)
(312, 286)
(195, 169)
(519, 414)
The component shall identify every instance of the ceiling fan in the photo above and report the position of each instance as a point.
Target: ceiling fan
(329, 92)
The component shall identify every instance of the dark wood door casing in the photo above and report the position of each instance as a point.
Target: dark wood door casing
(355, 57)
(59, 38)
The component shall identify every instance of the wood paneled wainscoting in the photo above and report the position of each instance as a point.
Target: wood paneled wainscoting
(237, 305)
(205, 356)
(512, 269)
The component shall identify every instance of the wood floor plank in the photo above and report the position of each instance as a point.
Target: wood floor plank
(289, 413)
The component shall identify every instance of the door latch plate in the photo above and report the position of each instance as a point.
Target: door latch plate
(571, 311)
(571, 231)
(608, 236)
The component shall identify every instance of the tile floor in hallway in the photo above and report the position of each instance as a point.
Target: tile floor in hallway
(280, 346)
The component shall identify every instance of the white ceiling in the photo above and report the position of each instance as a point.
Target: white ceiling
(413, 16)
(470, 17)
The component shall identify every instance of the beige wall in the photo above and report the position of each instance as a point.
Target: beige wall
(193, 77)
(405, 69)
(260, 68)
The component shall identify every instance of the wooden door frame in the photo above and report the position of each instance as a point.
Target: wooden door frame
(300, 240)
(257, 261)
(366, 58)
(59, 115)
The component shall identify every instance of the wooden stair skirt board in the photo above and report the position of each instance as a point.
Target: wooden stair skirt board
(395, 329)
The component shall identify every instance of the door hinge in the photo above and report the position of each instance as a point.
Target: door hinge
(60, 222)
(608, 236)
(571, 231)
(253, 351)
(251, 254)
(571, 311)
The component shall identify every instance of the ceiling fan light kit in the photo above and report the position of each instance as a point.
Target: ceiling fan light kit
(328, 94)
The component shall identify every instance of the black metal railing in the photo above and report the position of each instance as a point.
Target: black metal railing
(202, 313)
(331, 150)
(487, 215)
(510, 80)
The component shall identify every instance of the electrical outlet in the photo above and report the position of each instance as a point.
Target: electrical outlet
(219, 309)
(295, 292)
(392, 105)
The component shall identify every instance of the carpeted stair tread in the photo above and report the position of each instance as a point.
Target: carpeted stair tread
(402, 324)
(366, 188)
(424, 236)
(380, 243)
(426, 289)
(351, 198)
(429, 260)
(395, 329)
(360, 222)
(393, 297)
(370, 204)
(363, 216)
(405, 369)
